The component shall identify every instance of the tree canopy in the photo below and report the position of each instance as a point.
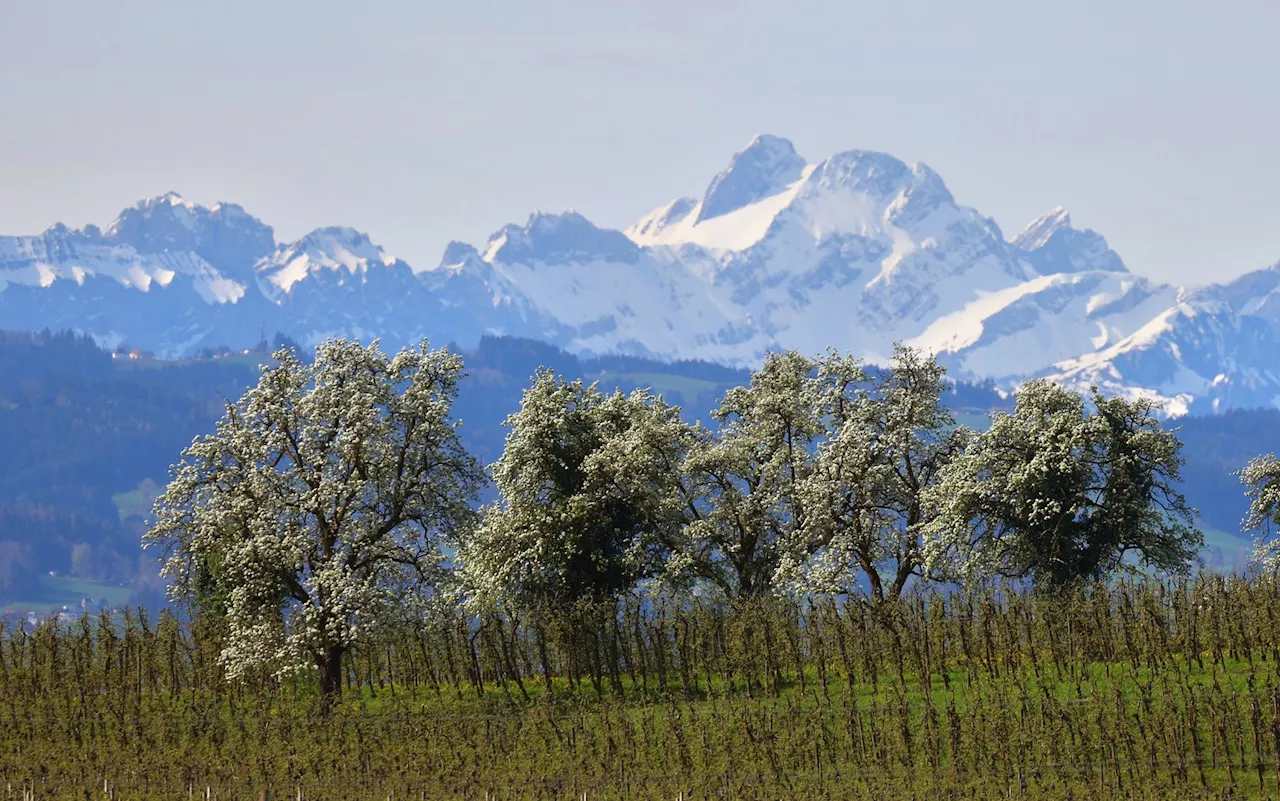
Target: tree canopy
(1261, 477)
(321, 503)
(1057, 491)
(888, 439)
(335, 497)
(589, 496)
(743, 483)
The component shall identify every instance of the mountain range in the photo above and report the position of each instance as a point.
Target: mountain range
(855, 251)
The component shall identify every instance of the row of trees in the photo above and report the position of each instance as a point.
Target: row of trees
(335, 497)
(822, 477)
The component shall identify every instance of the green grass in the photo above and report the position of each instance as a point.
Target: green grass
(137, 501)
(677, 388)
(54, 592)
(1224, 550)
(1128, 691)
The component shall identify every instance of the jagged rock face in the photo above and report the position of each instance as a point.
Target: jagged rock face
(1052, 246)
(855, 251)
(1197, 356)
(223, 235)
(172, 276)
(767, 165)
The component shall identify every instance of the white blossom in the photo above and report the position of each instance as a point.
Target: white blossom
(888, 438)
(1262, 479)
(317, 510)
(1055, 491)
(590, 497)
(745, 482)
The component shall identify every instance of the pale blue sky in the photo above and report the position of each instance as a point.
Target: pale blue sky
(1153, 122)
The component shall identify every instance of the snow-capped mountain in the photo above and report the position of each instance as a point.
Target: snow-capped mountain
(223, 235)
(1052, 246)
(855, 251)
(171, 276)
(1194, 356)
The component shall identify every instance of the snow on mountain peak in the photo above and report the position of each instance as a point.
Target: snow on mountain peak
(456, 254)
(680, 222)
(170, 198)
(171, 206)
(1053, 246)
(1191, 356)
(650, 226)
(767, 165)
(873, 172)
(550, 238)
(856, 251)
(174, 199)
(224, 235)
(859, 192)
(335, 249)
(1038, 231)
(63, 261)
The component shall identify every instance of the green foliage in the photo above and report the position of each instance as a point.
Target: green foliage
(76, 428)
(745, 482)
(589, 497)
(1054, 492)
(888, 439)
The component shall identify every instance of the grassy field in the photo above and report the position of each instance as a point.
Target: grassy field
(137, 501)
(675, 388)
(55, 592)
(1134, 691)
(1226, 551)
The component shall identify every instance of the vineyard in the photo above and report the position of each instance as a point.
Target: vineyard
(1133, 689)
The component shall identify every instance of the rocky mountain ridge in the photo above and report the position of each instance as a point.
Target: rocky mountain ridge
(855, 251)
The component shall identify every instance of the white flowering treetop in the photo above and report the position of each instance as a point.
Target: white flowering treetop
(1261, 477)
(1055, 492)
(317, 509)
(745, 483)
(889, 439)
(590, 497)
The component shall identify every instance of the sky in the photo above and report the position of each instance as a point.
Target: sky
(1154, 123)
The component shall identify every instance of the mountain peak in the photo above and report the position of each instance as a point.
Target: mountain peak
(334, 250)
(559, 237)
(173, 199)
(224, 235)
(878, 174)
(336, 246)
(1039, 230)
(170, 206)
(1052, 245)
(331, 235)
(765, 166)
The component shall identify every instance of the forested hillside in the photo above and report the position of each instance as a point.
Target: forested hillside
(87, 438)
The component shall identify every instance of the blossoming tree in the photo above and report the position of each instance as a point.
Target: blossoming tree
(319, 507)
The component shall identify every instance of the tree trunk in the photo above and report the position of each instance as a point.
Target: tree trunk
(330, 675)
(906, 569)
(874, 581)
